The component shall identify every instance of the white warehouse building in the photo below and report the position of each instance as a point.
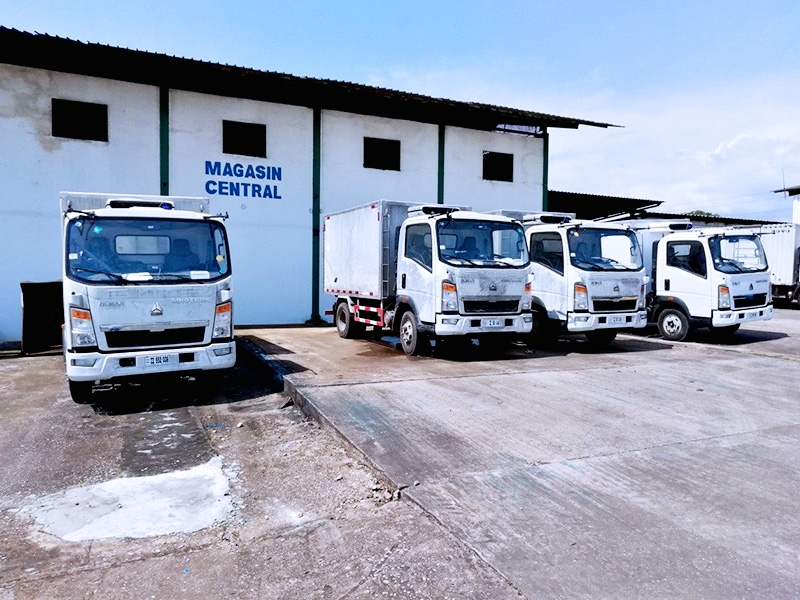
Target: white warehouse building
(273, 151)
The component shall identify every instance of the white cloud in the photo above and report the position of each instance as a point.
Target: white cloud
(722, 148)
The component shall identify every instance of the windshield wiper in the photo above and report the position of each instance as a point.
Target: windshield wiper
(732, 263)
(177, 276)
(106, 273)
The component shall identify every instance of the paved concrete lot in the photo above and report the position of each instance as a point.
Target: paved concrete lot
(647, 470)
(101, 501)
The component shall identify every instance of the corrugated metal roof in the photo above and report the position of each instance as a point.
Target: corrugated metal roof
(594, 206)
(98, 60)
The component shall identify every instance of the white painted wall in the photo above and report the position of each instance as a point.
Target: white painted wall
(346, 183)
(463, 168)
(271, 242)
(35, 166)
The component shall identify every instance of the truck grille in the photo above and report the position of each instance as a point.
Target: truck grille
(749, 301)
(148, 339)
(614, 304)
(475, 307)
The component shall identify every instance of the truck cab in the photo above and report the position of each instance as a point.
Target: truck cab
(588, 277)
(710, 277)
(147, 288)
(463, 273)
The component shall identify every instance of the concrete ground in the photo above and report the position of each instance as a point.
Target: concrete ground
(645, 470)
(305, 518)
(650, 469)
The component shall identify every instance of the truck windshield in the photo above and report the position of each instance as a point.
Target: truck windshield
(481, 243)
(604, 249)
(737, 253)
(125, 250)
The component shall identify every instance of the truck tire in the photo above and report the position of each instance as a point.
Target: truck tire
(411, 340)
(544, 332)
(345, 325)
(673, 325)
(601, 338)
(81, 391)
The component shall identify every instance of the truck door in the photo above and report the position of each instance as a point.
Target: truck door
(415, 270)
(547, 265)
(683, 273)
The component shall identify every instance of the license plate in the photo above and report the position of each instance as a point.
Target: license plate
(617, 320)
(492, 322)
(157, 360)
(752, 315)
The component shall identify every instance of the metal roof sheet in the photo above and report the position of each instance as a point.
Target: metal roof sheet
(594, 206)
(54, 53)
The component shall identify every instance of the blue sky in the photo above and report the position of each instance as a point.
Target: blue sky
(707, 92)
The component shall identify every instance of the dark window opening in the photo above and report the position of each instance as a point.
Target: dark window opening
(79, 120)
(498, 166)
(248, 139)
(381, 154)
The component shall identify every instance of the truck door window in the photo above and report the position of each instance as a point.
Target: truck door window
(688, 256)
(547, 250)
(418, 245)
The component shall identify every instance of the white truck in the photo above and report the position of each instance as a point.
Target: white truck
(708, 277)
(588, 276)
(426, 272)
(147, 288)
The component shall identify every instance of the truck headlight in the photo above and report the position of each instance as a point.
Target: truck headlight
(642, 304)
(449, 297)
(581, 297)
(724, 298)
(81, 327)
(223, 323)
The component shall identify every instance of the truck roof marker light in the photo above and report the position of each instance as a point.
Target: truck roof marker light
(166, 205)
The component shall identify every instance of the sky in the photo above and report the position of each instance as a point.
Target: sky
(706, 94)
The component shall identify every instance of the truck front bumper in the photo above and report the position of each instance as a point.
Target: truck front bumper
(483, 325)
(727, 318)
(96, 366)
(580, 322)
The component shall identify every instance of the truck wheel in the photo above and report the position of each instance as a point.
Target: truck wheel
(410, 338)
(673, 325)
(544, 332)
(81, 391)
(601, 337)
(345, 324)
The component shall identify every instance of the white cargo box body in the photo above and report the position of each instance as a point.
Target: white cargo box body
(360, 249)
(781, 242)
